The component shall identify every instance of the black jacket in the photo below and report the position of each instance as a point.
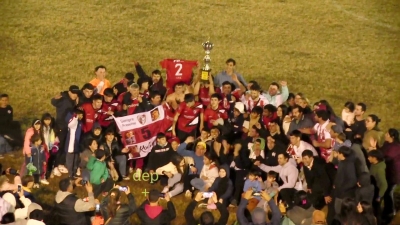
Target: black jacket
(63, 105)
(154, 215)
(160, 156)
(190, 220)
(114, 150)
(153, 87)
(123, 213)
(367, 191)
(318, 179)
(346, 178)
(271, 155)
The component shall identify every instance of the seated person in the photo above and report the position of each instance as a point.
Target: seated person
(303, 210)
(99, 176)
(150, 212)
(5, 185)
(27, 185)
(207, 175)
(222, 188)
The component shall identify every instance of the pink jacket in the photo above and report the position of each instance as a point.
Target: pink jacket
(27, 142)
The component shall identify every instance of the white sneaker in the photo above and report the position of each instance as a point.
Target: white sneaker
(126, 178)
(78, 172)
(62, 169)
(44, 181)
(138, 173)
(56, 172)
(36, 186)
(188, 194)
(165, 190)
(131, 170)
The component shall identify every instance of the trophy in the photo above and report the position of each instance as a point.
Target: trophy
(205, 72)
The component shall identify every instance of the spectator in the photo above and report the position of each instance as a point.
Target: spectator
(114, 212)
(303, 210)
(365, 190)
(300, 122)
(345, 182)
(207, 175)
(91, 147)
(20, 213)
(27, 185)
(4, 207)
(36, 218)
(274, 96)
(100, 83)
(32, 207)
(365, 209)
(206, 218)
(175, 171)
(258, 216)
(50, 141)
(99, 176)
(70, 209)
(229, 74)
(86, 94)
(72, 141)
(391, 151)
(253, 182)
(37, 159)
(378, 175)
(64, 103)
(34, 129)
(240, 164)
(284, 119)
(129, 77)
(151, 213)
(222, 188)
(348, 114)
(348, 214)
(357, 127)
(157, 83)
(9, 129)
(112, 147)
(8, 218)
(5, 185)
(373, 133)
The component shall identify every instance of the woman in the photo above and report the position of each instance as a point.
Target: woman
(349, 214)
(176, 171)
(207, 175)
(391, 151)
(222, 188)
(373, 137)
(365, 209)
(49, 141)
(303, 210)
(284, 118)
(26, 151)
(114, 212)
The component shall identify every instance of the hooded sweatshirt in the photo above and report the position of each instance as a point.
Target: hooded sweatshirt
(223, 187)
(366, 191)
(160, 156)
(378, 172)
(28, 135)
(156, 215)
(20, 213)
(297, 214)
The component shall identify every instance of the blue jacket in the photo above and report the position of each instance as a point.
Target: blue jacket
(37, 158)
(78, 132)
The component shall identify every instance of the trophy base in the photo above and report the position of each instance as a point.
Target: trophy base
(205, 76)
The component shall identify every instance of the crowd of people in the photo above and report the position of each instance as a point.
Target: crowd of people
(271, 154)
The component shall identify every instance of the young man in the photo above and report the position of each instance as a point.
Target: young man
(100, 82)
(178, 96)
(189, 116)
(358, 128)
(215, 115)
(229, 95)
(90, 111)
(203, 90)
(157, 83)
(254, 98)
(132, 100)
(108, 109)
(86, 94)
(229, 74)
(161, 154)
(9, 129)
(300, 121)
(324, 140)
(297, 146)
(275, 97)
(129, 77)
(72, 145)
(150, 212)
(378, 172)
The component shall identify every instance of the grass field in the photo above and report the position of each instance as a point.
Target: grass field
(337, 50)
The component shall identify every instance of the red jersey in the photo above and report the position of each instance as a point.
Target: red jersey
(104, 118)
(204, 96)
(168, 120)
(131, 102)
(189, 116)
(267, 120)
(210, 115)
(250, 103)
(178, 71)
(90, 115)
(145, 94)
(225, 103)
(120, 100)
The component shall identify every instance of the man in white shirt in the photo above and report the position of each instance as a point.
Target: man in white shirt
(297, 146)
(288, 173)
(324, 140)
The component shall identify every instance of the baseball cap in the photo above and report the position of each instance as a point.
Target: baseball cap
(74, 89)
(337, 129)
(240, 107)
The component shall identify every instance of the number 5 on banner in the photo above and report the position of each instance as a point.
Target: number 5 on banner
(146, 134)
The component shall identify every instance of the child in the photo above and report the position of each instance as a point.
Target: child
(34, 129)
(271, 187)
(254, 183)
(37, 158)
(27, 184)
(99, 173)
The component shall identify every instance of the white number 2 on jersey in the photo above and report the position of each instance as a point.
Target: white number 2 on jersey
(178, 72)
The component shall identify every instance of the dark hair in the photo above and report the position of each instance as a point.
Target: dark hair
(47, 116)
(375, 119)
(329, 108)
(8, 217)
(228, 83)
(154, 195)
(350, 106)
(348, 212)
(216, 95)
(308, 153)
(154, 94)
(296, 133)
(257, 109)
(88, 86)
(35, 138)
(285, 155)
(109, 92)
(271, 108)
(230, 60)
(210, 156)
(26, 180)
(324, 115)
(36, 214)
(109, 131)
(393, 133)
(285, 110)
(143, 80)
(78, 111)
(90, 142)
(301, 200)
(275, 84)
(255, 87)
(99, 153)
(4, 96)
(99, 67)
(345, 151)
(376, 154)
(129, 76)
(157, 72)
(290, 96)
(176, 160)
(189, 97)
(206, 218)
(368, 212)
(97, 97)
(251, 172)
(64, 184)
(363, 106)
(160, 135)
(301, 110)
(272, 174)
(112, 205)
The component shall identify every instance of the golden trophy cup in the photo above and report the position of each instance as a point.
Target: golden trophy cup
(205, 71)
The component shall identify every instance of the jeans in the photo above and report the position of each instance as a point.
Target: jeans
(121, 162)
(106, 186)
(175, 184)
(198, 183)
